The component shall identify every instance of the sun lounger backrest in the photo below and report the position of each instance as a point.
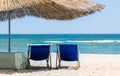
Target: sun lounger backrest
(68, 52)
(39, 52)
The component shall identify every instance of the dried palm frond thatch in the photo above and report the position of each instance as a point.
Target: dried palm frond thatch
(48, 9)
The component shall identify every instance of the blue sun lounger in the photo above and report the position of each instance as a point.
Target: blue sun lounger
(39, 52)
(67, 52)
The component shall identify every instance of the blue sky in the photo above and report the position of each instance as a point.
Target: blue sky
(106, 21)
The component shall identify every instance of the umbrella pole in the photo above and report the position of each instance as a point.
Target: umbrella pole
(9, 31)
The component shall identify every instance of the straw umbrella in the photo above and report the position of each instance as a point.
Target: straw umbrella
(48, 9)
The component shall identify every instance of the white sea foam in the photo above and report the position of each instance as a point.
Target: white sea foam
(53, 41)
(117, 41)
(96, 41)
(85, 41)
(104, 41)
(77, 41)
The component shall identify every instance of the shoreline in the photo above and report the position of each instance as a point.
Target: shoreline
(90, 65)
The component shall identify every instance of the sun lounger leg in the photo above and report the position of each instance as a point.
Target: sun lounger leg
(50, 61)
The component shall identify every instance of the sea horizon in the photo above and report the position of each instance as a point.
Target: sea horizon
(88, 43)
(57, 33)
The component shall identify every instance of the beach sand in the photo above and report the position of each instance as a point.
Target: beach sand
(91, 65)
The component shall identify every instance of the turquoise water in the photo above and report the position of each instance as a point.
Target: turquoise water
(88, 43)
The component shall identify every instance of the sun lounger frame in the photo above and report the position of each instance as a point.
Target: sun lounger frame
(58, 60)
(48, 60)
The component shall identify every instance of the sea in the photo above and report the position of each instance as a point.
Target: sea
(88, 43)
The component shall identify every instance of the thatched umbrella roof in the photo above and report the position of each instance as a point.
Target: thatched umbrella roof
(48, 9)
